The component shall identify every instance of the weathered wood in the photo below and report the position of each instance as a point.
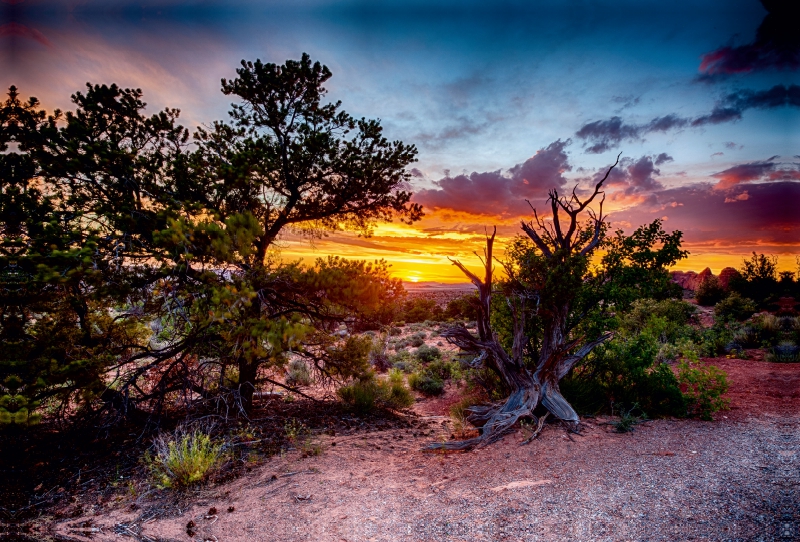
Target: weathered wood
(556, 355)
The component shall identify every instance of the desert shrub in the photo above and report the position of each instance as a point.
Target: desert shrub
(427, 353)
(642, 311)
(298, 374)
(394, 331)
(794, 331)
(624, 371)
(183, 458)
(368, 393)
(710, 292)
(458, 413)
(464, 307)
(417, 339)
(735, 307)
(444, 370)
(702, 387)
(426, 383)
(713, 341)
(768, 327)
(629, 419)
(784, 352)
(746, 337)
(421, 309)
(377, 354)
(351, 358)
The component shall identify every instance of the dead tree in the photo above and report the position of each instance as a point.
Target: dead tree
(558, 351)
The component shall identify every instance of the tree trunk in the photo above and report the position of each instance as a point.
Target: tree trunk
(527, 389)
(248, 371)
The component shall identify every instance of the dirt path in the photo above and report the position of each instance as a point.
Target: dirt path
(733, 479)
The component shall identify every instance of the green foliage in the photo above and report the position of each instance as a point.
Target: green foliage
(368, 393)
(426, 383)
(784, 352)
(710, 292)
(734, 307)
(464, 307)
(350, 359)
(421, 309)
(628, 420)
(298, 373)
(624, 371)
(183, 459)
(702, 387)
(427, 353)
(665, 319)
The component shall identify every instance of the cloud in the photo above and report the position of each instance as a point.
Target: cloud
(731, 145)
(777, 46)
(663, 158)
(743, 173)
(765, 215)
(603, 135)
(20, 30)
(634, 176)
(495, 193)
(744, 196)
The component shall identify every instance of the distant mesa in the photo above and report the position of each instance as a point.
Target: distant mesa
(689, 280)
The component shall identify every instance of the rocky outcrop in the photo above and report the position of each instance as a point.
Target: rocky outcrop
(726, 275)
(689, 280)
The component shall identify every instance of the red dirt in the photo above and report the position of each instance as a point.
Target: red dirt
(729, 479)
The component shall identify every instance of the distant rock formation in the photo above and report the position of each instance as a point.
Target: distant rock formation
(689, 280)
(726, 275)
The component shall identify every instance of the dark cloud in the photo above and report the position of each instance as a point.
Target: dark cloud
(732, 145)
(603, 135)
(765, 214)
(497, 193)
(743, 173)
(777, 46)
(663, 158)
(633, 176)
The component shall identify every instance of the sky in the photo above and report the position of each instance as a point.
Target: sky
(503, 100)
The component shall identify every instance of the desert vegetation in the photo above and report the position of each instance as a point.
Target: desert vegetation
(144, 300)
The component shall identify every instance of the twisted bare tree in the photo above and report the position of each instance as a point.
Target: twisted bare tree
(544, 282)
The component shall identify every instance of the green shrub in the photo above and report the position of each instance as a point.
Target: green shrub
(710, 292)
(366, 394)
(674, 311)
(426, 383)
(351, 358)
(784, 352)
(735, 307)
(444, 370)
(298, 374)
(702, 387)
(183, 459)
(417, 339)
(464, 307)
(427, 353)
(624, 371)
(768, 327)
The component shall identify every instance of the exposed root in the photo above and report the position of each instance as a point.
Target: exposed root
(538, 430)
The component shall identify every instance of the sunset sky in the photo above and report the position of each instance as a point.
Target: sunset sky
(503, 101)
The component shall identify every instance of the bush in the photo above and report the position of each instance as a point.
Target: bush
(710, 292)
(735, 307)
(624, 371)
(785, 352)
(464, 307)
(417, 339)
(421, 309)
(350, 359)
(427, 353)
(426, 384)
(298, 373)
(366, 394)
(702, 387)
(768, 327)
(184, 458)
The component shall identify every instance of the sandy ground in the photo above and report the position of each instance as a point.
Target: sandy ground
(732, 479)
